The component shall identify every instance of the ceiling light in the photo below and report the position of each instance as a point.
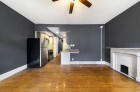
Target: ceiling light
(73, 0)
(57, 32)
(64, 35)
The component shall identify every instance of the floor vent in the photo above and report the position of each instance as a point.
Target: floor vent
(124, 69)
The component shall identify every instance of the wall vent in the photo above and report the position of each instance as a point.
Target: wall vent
(124, 69)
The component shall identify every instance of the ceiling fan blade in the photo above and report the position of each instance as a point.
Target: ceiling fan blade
(55, 0)
(86, 3)
(71, 7)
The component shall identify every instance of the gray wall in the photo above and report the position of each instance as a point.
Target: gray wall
(14, 31)
(124, 30)
(85, 37)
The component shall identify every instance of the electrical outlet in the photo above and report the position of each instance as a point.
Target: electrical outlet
(72, 59)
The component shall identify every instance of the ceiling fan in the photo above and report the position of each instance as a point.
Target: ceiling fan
(85, 2)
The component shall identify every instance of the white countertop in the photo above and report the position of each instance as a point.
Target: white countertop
(71, 51)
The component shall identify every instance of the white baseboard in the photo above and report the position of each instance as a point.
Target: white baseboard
(74, 62)
(12, 72)
(108, 64)
(138, 79)
(87, 62)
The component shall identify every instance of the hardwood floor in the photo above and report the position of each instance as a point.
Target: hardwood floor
(74, 78)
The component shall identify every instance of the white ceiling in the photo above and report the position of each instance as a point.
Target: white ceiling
(48, 12)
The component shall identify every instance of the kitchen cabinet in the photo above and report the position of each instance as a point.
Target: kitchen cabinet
(65, 56)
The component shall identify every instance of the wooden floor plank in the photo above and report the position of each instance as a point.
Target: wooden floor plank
(74, 78)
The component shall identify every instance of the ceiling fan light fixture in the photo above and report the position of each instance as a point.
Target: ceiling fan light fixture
(72, 2)
(54, 0)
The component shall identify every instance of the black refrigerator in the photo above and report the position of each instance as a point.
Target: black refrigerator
(37, 52)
